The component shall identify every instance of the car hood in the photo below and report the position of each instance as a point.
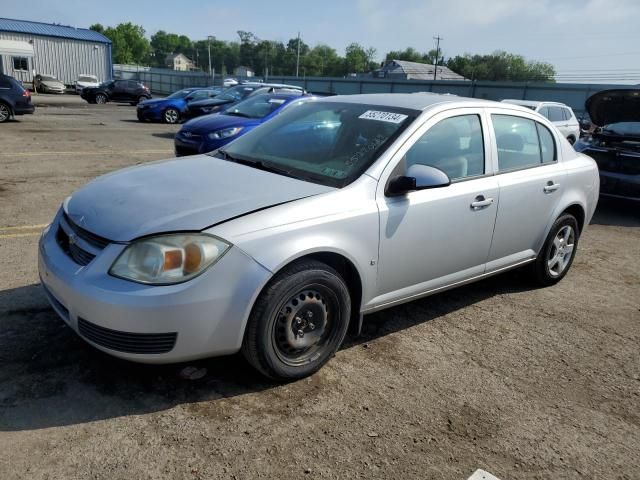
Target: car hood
(154, 101)
(217, 121)
(614, 106)
(186, 194)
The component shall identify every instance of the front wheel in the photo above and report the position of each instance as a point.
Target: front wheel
(558, 252)
(298, 322)
(101, 99)
(171, 115)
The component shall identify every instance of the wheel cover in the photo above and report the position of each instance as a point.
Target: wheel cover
(4, 113)
(561, 251)
(101, 99)
(305, 324)
(171, 116)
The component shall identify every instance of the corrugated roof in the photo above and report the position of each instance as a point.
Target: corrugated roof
(51, 30)
(421, 71)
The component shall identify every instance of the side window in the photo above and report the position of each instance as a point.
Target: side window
(544, 111)
(555, 114)
(568, 115)
(517, 142)
(547, 144)
(20, 63)
(4, 82)
(454, 145)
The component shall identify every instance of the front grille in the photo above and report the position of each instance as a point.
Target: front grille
(617, 162)
(77, 254)
(95, 240)
(184, 151)
(145, 343)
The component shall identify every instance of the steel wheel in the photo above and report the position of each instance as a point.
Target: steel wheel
(304, 325)
(171, 115)
(101, 99)
(5, 113)
(561, 251)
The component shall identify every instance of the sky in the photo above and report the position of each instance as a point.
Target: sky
(585, 40)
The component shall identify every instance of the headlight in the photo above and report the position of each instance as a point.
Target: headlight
(167, 259)
(226, 133)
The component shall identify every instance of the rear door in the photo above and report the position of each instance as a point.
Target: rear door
(531, 181)
(119, 91)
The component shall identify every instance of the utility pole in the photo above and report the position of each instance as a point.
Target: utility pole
(209, 37)
(298, 57)
(435, 69)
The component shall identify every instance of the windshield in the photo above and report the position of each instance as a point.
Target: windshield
(180, 94)
(623, 128)
(258, 106)
(88, 79)
(237, 93)
(324, 142)
(49, 78)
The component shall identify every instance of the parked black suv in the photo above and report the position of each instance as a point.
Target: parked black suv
(128, 91)
(14, 99)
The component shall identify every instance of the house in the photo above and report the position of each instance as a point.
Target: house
(179, 61)
(242, 71)
(58, 50)
(403, 70)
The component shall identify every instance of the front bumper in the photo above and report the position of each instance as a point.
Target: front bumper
(149, 114)
(207, 314)
(619, 172)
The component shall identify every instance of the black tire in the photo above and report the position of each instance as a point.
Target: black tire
(171, 115)
(302, 292)
(100, 98)
(545, 273)
(571, 139)
(5, 112)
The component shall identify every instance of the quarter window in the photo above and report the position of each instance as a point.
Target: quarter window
(555, 114)
(522, 143)
(20, 63)
(454, 145)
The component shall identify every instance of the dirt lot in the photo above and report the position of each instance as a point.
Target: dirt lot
(525, 383)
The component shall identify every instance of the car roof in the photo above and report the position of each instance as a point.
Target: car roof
(260, 84)
(413, 101)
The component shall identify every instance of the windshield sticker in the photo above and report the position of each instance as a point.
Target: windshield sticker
(383, 116)
(332, 172)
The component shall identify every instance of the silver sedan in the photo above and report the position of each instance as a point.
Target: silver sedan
(279, 242)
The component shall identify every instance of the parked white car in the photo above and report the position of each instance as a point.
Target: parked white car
(45, 83)
(279, 241)
(85, 81)
(559, 114)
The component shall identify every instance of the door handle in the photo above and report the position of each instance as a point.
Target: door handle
(481, 202)
(551, 187)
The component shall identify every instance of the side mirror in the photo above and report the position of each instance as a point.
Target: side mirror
(418, 177)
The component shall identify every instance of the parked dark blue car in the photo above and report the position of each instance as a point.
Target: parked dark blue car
(172, 109)
(14, 99)
(210, 132)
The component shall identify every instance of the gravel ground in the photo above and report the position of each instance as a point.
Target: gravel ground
(522, 382)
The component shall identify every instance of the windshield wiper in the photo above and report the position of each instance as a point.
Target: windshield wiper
(259, 164)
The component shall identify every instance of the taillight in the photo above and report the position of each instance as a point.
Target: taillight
(26, 93)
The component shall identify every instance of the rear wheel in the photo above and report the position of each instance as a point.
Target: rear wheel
(171, 115)
(101, 98)
(558, 252)
(5, 112)
(571, 139)
(298, 322)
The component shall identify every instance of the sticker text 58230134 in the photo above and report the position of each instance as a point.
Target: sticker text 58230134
(383, 116)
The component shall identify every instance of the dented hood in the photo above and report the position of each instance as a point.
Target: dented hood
(186, 194)
(614, 106)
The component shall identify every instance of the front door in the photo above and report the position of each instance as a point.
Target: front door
(438, 237)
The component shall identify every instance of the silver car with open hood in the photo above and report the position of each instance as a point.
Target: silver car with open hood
(341, 206)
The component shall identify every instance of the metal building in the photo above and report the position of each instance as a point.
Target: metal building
(31, 48)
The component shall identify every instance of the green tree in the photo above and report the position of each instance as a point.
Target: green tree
(163, 44)
(97, 27)
(356, 60)
(129, 43)
(501, 66)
